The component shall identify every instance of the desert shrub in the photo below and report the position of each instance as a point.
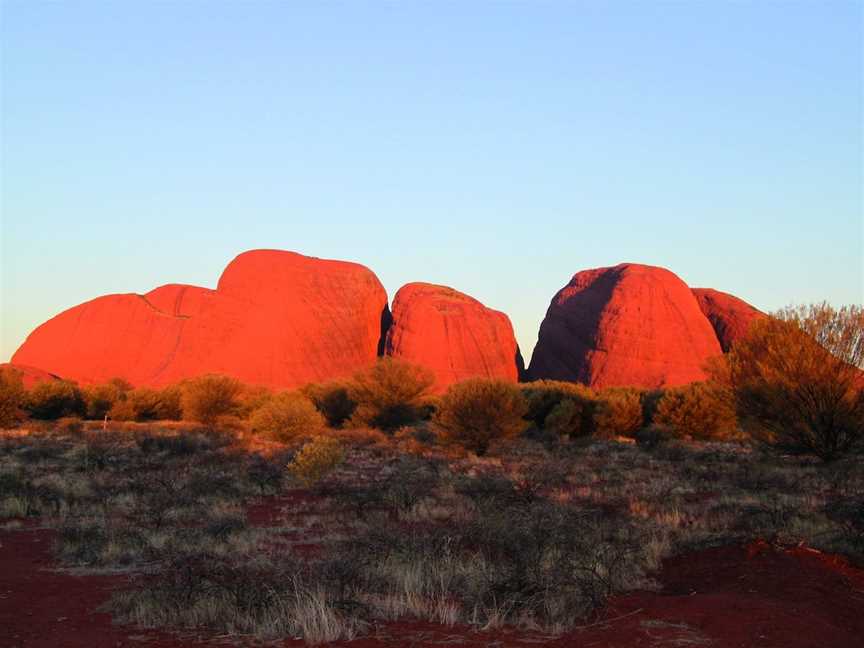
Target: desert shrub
(477, 411)
(316, 459)
(698, 410)
(287, 416)
(52, 399)
(12, 396)
(543, 396)
(389, 394)
(332, 400)
(797, 382)
(250, 399)
(208, 397)
(100, 399)
(145, 404)
(572, 417)
(618, 412)
(654, 436)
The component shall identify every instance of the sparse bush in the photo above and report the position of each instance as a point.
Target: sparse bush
(478, 411)
(12, 396)
(797, 380)
(316, 459)
(698, 410)
(332, 400)
(390, 394)
(208, 397)
(654, 436)
(52, 399)
(619, 412)
(287, 416)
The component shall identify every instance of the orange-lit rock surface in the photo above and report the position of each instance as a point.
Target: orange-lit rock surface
(453, 334)
(730, 316)
(30, 375)
(624, 325)
(276, 318)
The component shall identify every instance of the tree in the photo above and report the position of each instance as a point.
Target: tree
(796, 380)
(477, 411)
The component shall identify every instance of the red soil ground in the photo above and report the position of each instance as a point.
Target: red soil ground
(730, 597)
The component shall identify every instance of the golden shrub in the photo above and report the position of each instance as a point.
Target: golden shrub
(316, 459)
(543, 396)
(389, 394)
(52, 399)
(100, 399)
(146, 404)
(208, 397)
(287, 416)
(12, 397)
(699, 410)
(797, 382)
(478, 411)
(618, 412)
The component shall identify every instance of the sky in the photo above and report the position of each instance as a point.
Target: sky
(495, 147)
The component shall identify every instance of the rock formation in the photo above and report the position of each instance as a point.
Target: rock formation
(730, 316)
(453, 334)
(625, 325)
(29, 375)
(276, 318)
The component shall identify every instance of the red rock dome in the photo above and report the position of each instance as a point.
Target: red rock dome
(276, 318)
(625, 325)
(29, 375)
(453, 334)
(731, 317)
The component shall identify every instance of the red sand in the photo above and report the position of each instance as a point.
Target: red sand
(731, 597)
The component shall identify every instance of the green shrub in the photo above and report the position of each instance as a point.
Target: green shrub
(618, 412)
(390, 394)
(478, 411)
(332, 400)
(12, 396)
(287, 416)
(208, 397)
(543, 396)
(316, 459)
(698, 410)
(52, 399)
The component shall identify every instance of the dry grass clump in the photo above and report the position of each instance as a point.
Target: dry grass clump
(316, 459)
(476, 412)
(206, 398)
(287, 416)
(390, 394)
(12, 397)
(701, 411)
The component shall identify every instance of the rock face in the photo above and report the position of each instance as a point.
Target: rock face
(731, 317)
(276, 318)
(453, 334)
(30, 375)
(625, 325)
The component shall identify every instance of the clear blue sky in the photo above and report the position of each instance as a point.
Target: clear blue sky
(494, 147)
